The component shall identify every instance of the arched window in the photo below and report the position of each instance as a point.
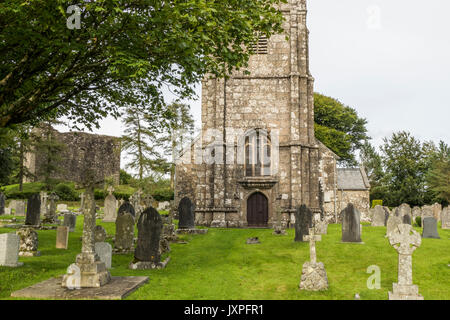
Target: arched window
(257, 154)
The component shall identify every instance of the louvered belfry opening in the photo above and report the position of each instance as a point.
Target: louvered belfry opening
(260, 46)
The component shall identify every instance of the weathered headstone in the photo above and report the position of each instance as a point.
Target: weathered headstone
(351, 224)
(110, 211)
(445, 218)
(186, 214)
(379, 217)
(9, 250)
(62, 237)
(50, 215)
(104, 251)
(392, 224)
(303, 222)
(405, 240)
(61, 207)
(44, 198)
(407, 219)
(126, 207)
(100, 234)
(427, 211)
(2, 204)
(314, 276)
(29, 242)
(416, 212)
(402, 211)
(20, 207)
(124, 239)
(147, 254)
(33, 217)
(70, 220)
(430, 228)
(437, 210)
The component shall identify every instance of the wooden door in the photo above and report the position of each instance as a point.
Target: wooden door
(257, 210)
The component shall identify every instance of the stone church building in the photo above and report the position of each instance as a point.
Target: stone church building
(275, 164)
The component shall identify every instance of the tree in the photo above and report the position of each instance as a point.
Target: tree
(372, 163)
(339, 128)
(438, 177)
(7, 163)
(180, 128)
(406, 162)
(122, 47)
(141, 141)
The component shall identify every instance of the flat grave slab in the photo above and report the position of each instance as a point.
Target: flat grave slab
(118, 288)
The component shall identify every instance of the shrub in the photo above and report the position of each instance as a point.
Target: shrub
(377, 203)
(419, 221)
(66, 192)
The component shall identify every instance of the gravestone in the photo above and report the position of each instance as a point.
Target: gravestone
(70, 221)
(321, 227)
(100, 234)
(416, 212)
(124, 239)
(427, 211)
(392, 224)
(62, 237)
(29, 242)
(110, 211)
(33, 217)
(20, 207)
(253, 241)
(402, 211)
(186, 214)
(61, 207)
(437, 210)
(314, 276)
(379, 217)
(50, 215)
(445, 218)
(303, 222)
(104, 251)
(430, 228)
(9, 250)
(147, 254)
(351, 224)
(126, 207)
(2, 204)
(44, 197)
(407, 219)
(405, 240)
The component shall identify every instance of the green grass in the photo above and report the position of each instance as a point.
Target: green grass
(221, 266)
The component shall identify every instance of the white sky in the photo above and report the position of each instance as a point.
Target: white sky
(388, 59)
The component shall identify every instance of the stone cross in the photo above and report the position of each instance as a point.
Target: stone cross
(405, 240)
(110, 189)
(148, 200)
(312, 238)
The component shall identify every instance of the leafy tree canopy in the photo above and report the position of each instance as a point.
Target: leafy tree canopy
(339, 128)
(124, 53)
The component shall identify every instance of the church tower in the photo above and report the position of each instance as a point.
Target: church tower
(272, 109)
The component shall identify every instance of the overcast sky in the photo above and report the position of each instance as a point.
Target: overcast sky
(388, 59)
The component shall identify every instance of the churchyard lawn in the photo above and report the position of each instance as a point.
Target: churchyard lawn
(220, 265)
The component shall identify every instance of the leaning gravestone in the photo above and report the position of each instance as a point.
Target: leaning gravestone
(392, 224)
(379, 217)
(20, 208)
(430, 228)
(445, 218)
(351, 224)
(9, 250)
(147, 254)
(186, 213)
(2, 204)
(110, 211)
(303, 222)
(33, 210)
(126, 207)
(402, 211)
(70, 220)
(104, 251)
(28, 242)
(100, 234)
(123, 243)
(405, 240)
(62, 237)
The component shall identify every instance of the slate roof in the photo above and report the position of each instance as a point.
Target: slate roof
(352, 179)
